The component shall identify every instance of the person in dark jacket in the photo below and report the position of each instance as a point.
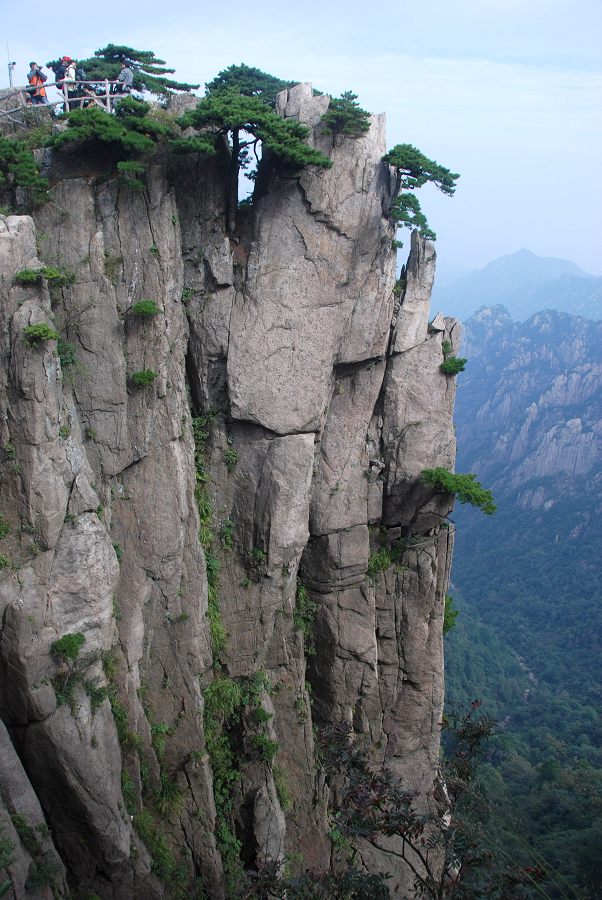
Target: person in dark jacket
(125, 79)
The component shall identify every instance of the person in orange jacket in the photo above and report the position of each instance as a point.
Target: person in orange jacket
(36, 79)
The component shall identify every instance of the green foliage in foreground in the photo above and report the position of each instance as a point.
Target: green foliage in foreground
(465, 487)
(17, 162)
(448, 859)
(414, 170)
(131, 129)
(38, 334)
(345, 116)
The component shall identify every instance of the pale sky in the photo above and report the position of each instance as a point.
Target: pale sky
(506, 92)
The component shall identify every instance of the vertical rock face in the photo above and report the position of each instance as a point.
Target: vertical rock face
(317, 400)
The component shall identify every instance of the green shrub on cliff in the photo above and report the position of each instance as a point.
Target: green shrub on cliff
(304, 615)
(68, 646)
(131, 173)
(345, 116)
(145, 308)
(144, 378)
(38, 334)
(450, 614)
(56, 276)
(17, 164)
(250, 82)
(133, 130)
(465, 487)
(380, 560)
(413, 170)
(453, 365)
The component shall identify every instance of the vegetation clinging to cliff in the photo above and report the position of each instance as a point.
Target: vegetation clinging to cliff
(149, 72)
(345, 116)
(413, 170)
(239, 105)
(17, 163)
(465, 487)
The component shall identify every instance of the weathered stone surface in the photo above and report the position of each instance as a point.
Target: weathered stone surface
(417, 434)
(341, 481)
(318, 284)
(22, 823)
(319, 403)
(412, 319)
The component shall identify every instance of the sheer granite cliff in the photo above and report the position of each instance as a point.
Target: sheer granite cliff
(327, 402)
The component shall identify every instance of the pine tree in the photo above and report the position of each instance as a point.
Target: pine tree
(245, 120)
(17, 164)
(413, 170)
(132, 131)
(250, 82)
(345, 116)
(149, 72)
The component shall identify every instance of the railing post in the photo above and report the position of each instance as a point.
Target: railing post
(108, 95)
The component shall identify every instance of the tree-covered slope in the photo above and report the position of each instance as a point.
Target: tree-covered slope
(528, 640)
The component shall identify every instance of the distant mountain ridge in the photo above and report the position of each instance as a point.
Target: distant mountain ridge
(525, 284)
(530, 404)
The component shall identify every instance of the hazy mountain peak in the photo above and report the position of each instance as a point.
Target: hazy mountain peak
(524, 283)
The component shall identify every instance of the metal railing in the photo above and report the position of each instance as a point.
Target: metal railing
(75, 94)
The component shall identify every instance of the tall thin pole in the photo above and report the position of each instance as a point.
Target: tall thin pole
(11, 66)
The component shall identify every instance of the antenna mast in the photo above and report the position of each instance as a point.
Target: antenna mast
(11, 66)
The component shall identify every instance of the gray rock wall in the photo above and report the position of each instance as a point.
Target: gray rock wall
(326, 402)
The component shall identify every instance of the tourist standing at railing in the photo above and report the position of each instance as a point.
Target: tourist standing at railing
(70, 79)
(36, 79)
(125, 79)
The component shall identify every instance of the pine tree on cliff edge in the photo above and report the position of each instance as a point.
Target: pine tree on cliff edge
(149, 71)
(413, 170)
(239, 105)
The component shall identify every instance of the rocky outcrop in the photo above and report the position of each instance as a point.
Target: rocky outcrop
(316, 399)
